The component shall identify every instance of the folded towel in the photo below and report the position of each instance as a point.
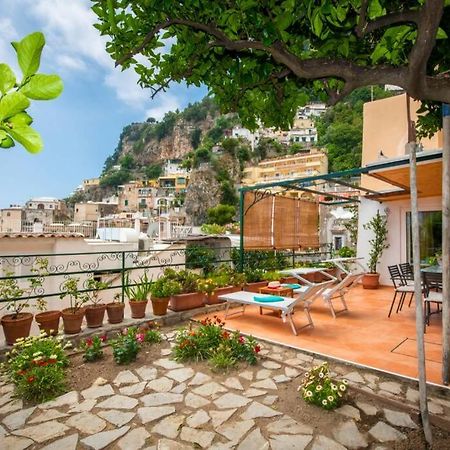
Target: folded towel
(291, 285)
(268, 299)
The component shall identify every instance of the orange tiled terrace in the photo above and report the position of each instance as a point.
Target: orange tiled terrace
(363, 335)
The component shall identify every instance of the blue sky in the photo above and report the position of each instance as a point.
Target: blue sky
(82, 127)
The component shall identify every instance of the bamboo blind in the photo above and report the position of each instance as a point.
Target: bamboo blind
(280, 223)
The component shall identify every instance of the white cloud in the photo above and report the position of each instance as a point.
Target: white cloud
(163, 103)
(70, 62)
(9, 33)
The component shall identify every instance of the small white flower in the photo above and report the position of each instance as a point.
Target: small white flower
(342, 387)
(324, 403)
(318, 388)
(334, 387)
(37, 359)
(320, 375)
(37, 353)
(330, 398)
(53, 357)
(345, 381)
(339, 394)
(309, 394)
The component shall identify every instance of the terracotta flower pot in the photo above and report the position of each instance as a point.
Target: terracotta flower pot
(95, 315)
(255, 287)
(18, 327)
(72, 320)
(183, 302)
(159, 305)
(48, 321)
(138, 309)
(213, 299)
(115, 312)
(371, 280)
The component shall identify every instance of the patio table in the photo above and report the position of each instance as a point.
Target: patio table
(432, 269)
(297, 273)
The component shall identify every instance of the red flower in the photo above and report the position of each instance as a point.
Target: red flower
(30, 379)
(241, 339)
(257, 348)
(225, 335)
(104, 338)
(51, 361)
(21, 372)
(89, 342)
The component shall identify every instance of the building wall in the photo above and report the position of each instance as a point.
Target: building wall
(11, 220)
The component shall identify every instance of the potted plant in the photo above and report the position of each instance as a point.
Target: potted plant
(115, 310)
(378, 225)
(255, 280)
(189, 297)
(18, 323)
(162, 289)
(95, 312)
(137, 295)
(225, 280)
(72, 316)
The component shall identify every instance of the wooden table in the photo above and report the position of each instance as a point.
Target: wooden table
(280, 291)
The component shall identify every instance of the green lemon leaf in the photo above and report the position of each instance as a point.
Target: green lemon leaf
(13, 103)
(441, 34)
(375, 9)
(7, 78)
(43, 87)
(6, 141)
(28, 137)
(29, 51)
(20, 120)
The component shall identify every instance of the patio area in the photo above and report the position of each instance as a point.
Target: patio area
(363, 335)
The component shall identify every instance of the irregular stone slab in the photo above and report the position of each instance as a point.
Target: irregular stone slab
(291, 372)
(230, 400)
(168, 444)
(50, 414)
(162, 384)
(199, 378)
(233, 383)
(18, 419)
(161, 398)
(399, 419)
(10, 407)
(95, 392)
(281, 378)
(349, 411)
(125, 377)
(67, 443)
(202, 438)
(87, 405)
(149, 414)
(100, 381)
(252, 392)
(103, 439)
(391, 386)
(195, 401)
(256, 410)
(117, 418)
(265, 384)
(166, 351)
(6, 388)
(371, 378)
(263, 374)
(289, 442)
(269, 400)
(134, 439)
(3, 432)
(295, 362)
(324, 443)
(383, 432)
(355, 377)
(6, 398)
(197, 419)
(147, 373)
(86, 423)
(235, 430)
(348, 435)
(247, 375)
(367, 409)
(14, 443)
(168, 364)
(181, 375)
(179, 389)
(67, 399)
(118, 402)
(43, 432)
(219, 417)
(209, 389)
(133, 389)
(435, 408)
(169, 427)
(287, 425)
(271, 365)
(254, 441)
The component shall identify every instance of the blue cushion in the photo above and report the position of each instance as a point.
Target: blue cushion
(292, 285)
(268, 299)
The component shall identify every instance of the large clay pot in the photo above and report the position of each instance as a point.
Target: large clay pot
(182, 302)
(138, 309)
(48, 321)
(255, 287)
(72, 320)
(95, 315)
(213, 299)
(115, 312)
(370, 280)
(18, 327)
(159, 305)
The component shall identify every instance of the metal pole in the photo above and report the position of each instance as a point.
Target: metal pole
(446, 244)
(123, 277)
(241, 228)
(412, 147)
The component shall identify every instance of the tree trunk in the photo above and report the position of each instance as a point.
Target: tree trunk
(412, 147)
(446, 245)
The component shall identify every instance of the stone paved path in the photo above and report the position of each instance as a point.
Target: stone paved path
(169, 406)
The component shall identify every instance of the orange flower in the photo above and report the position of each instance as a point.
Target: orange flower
(31, 379)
